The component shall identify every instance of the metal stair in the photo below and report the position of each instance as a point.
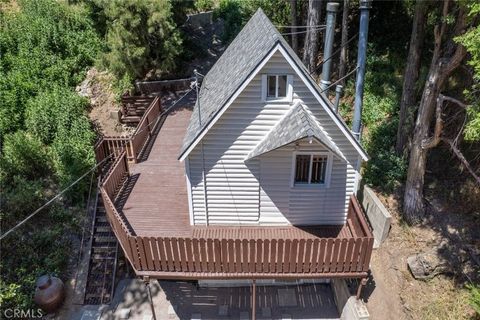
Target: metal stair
(103, 259)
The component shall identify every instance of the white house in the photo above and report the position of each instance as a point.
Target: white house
(264, 146)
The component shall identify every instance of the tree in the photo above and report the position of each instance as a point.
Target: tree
(141, 37)
(344, 50)
(293, 22)
(408, 100)
(310, 50)
(442, 65)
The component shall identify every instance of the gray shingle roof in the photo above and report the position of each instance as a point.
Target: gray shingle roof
(254, 42)
(297, 124)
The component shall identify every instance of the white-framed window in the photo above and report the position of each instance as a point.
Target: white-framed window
(311, 169)
(277, 87)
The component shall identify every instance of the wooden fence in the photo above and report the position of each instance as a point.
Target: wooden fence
(134, 144)
(134, 107)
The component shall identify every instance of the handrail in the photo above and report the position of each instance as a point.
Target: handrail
(135, 143)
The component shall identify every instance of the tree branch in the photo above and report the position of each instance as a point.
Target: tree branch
(453, 100)
(435, 139)
(462, 159)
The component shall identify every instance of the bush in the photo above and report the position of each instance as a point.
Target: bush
(141, 37)
(204, 5)
(46, 43)
(23, 155)
(73, 154)
(53, 110)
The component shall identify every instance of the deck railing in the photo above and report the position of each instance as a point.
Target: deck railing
(195, 258)
(134, 144)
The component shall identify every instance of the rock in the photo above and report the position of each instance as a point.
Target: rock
(424, 266)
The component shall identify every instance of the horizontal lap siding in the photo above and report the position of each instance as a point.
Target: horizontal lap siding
(233, 191)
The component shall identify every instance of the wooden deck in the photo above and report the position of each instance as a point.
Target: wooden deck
(147, 206)
(158, 200)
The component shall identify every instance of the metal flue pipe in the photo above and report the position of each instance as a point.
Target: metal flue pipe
(365, 6)
(338, 95)
(332, 8)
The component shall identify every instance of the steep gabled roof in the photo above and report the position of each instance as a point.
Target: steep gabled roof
(248, 51)
(295, 125)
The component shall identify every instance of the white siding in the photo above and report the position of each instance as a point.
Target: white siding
(258, 191)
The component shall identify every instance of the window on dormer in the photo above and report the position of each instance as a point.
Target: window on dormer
(311, 169)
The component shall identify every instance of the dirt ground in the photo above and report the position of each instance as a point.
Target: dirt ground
(393, 293)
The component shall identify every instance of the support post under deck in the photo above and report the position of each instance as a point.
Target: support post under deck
(254, 299)
(146, 280)
(362, 283)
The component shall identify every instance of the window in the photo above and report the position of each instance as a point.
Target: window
(277, 87)
(311, 169)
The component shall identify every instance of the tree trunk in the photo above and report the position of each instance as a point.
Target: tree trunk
(344, 50)
(310, 51)
(293, 22)
(440, 70)
(407, 102)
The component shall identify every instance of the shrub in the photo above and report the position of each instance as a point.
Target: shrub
(52, 110)
(141, 37)
(204, 5)
(23, 155)
(73, 154)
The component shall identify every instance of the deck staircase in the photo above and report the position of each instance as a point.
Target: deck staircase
(103, 259)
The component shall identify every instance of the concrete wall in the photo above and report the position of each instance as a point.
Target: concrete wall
(379, 217)
(348, 306)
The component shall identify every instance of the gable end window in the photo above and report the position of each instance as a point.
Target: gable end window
(277, 87)
(311, 169)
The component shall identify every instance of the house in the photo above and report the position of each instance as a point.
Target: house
(261, 184)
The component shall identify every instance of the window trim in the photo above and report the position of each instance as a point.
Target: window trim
(309, 185)
(289, 93)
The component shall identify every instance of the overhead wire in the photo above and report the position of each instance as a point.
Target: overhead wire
(18, 225)
(346, 76)
(333, 54)
(300, 32)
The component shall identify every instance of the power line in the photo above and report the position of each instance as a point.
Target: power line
(347, 75)
(18, 225)
(53, 199)
(302, 26)
(299, 32)
(333, 54)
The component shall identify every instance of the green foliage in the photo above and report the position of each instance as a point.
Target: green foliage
(236, 13)
(45, 136)
(23, 155)
(381, 99)
(73, 153)
(231, 11)
(52, 110)
(471, 41)
(141, 37)
(47, 43)
(204, 5)
(474, 297)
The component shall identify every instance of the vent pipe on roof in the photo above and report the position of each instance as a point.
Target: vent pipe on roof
(338, 95)
(332, 8)
(365, 6)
